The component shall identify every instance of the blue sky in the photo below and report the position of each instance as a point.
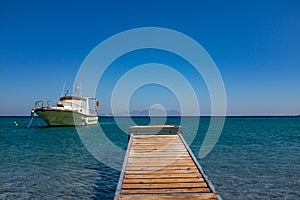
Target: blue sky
(255, 45)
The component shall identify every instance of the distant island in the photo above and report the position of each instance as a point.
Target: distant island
(144, 113)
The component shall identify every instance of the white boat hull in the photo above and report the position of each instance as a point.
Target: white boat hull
(57, 117)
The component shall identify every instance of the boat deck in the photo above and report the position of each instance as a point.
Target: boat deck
(161, 166)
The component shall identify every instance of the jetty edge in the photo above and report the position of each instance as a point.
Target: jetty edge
(160, 165)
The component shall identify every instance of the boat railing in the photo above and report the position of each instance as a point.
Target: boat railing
(39, 104)
(84, 109)
(74, 106)
(50, 103)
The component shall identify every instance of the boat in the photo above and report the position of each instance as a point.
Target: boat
(72, 109)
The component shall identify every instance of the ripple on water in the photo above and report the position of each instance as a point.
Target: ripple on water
(255, 158)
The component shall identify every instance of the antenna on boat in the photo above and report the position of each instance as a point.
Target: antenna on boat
(77, 89)
(80, 94)
(63, 89)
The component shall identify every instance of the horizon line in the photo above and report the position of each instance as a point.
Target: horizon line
(143, 116)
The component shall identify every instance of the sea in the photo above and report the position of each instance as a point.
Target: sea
(254, 157)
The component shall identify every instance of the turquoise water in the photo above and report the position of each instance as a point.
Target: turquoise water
(255, 158)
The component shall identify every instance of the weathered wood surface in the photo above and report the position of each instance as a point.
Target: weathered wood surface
(187, 196)
(161, 167)
(155, 128)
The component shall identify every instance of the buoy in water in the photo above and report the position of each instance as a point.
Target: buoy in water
(15, 123)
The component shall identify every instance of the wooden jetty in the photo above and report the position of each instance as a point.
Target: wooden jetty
(160, 165)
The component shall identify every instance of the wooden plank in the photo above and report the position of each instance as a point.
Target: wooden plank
(163, 180)
(165, 191)
(155, 151)
(155, 128)
(159, 146)
(165, 158)
(160, 172)
(155, 138)
(164, 162)
(159, 160)
(162, 185)
(161, 164)
(166, 175)
(172, 197)
(157, 141)
(161, 141)
(147, 168)
(158, 155)
(168, 145)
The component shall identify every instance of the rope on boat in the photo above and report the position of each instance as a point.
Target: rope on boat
(29, 123)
